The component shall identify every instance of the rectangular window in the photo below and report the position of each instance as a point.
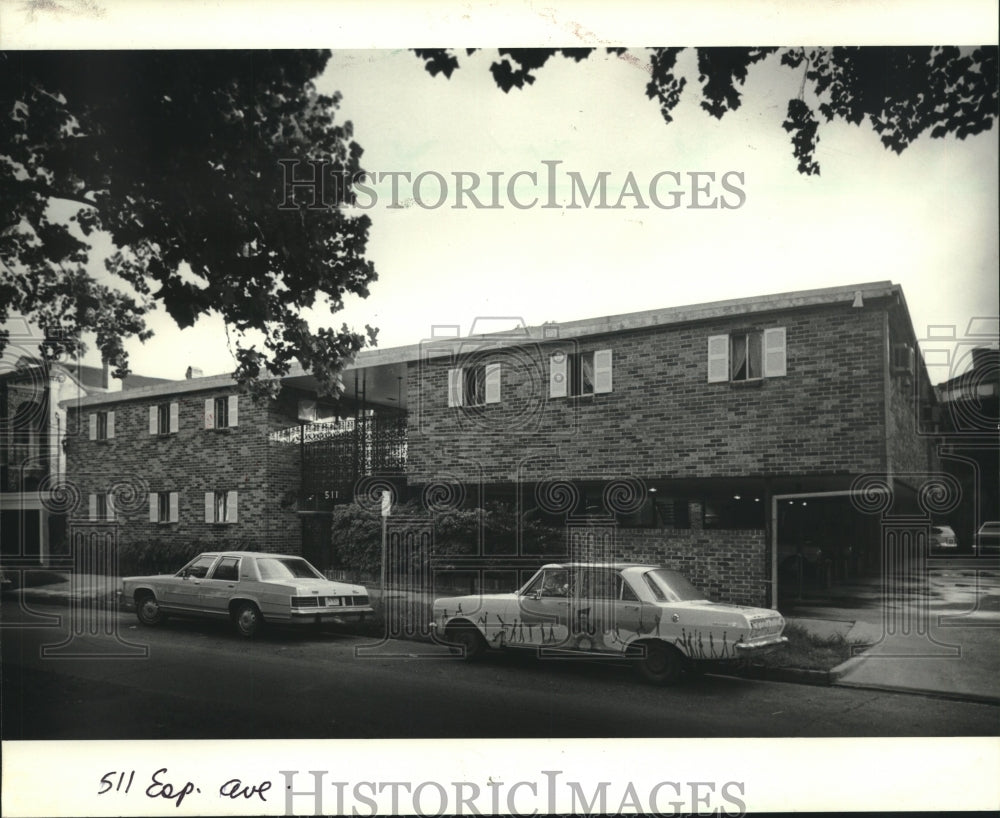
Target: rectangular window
(101, 507)
(164, 507)
(745, 349)
(220, 506)
(221, 412)
(474, 385)
(163, 419)
(102, 425)
(579, 373)
(747, 355)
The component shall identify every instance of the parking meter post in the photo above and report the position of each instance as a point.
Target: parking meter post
(384, 553)
(386, 508)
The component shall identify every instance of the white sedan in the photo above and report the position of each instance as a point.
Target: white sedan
(642, 612)
(248, 588)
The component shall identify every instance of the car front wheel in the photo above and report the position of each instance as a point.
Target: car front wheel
(660, 664)
(469, 640)
(147, 609)
(248, 620)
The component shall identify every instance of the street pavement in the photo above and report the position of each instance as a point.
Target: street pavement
(191, 679)
(938, 634)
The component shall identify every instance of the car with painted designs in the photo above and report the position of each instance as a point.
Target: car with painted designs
(645, 613)
(250, 589)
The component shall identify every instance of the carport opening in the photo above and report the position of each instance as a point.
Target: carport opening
(827, 551)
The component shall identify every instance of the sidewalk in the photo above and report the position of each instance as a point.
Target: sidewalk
(943, 640)
(948, 648)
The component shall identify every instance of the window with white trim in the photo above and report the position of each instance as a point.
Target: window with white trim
(102, 425)
(579, 373)
(163, 419)
(747, 355)
(474, 385)
(221, 506)
(101, 507)
(222, 412)
(164, 507)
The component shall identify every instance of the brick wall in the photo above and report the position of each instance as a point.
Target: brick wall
(191, 462)
(730, 566)
(663, 419)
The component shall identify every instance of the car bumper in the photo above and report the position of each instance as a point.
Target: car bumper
(336, 617)
(761, 646)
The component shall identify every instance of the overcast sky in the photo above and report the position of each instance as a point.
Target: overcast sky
(926, 219)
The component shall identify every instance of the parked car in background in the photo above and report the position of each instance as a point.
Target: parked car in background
(645, 613)
(806, 562)
(987, 540)
(248, 588)
(942, 539)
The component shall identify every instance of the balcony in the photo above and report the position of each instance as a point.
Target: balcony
(336, 456)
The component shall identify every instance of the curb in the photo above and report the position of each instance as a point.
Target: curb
(796, 675)
(972, 698)
(60, 600)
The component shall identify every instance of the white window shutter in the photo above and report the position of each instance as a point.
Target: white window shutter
(92, 506)
(455, 387)
(602, 371)
(775, 358)
(153, 429)
(174, 506)
(234, 410)
(209, 413)
(493, 383)
(718, 358)
(154, 507)
(174, 417)
(93, 426)
(557, 375)
(231, 506)
(111, 424)
(209, 506)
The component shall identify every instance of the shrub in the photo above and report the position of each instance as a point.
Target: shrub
(356, 533)
(163, 556)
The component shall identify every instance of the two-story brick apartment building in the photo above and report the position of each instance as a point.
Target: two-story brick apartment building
(190, 461)
(708, 434)
(725, 439)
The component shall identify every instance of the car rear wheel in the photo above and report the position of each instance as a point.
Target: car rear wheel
(147, 610)
(248, 620)
(469, 640)
(660, 664)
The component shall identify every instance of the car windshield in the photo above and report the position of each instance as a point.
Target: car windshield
(669, 586)
(286, 568)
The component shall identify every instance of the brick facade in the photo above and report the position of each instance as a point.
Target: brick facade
(245, 458)
(729, 566)
(663, 419)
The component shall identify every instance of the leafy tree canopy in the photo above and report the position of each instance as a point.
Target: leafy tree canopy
(900, 92)
(175, 157)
